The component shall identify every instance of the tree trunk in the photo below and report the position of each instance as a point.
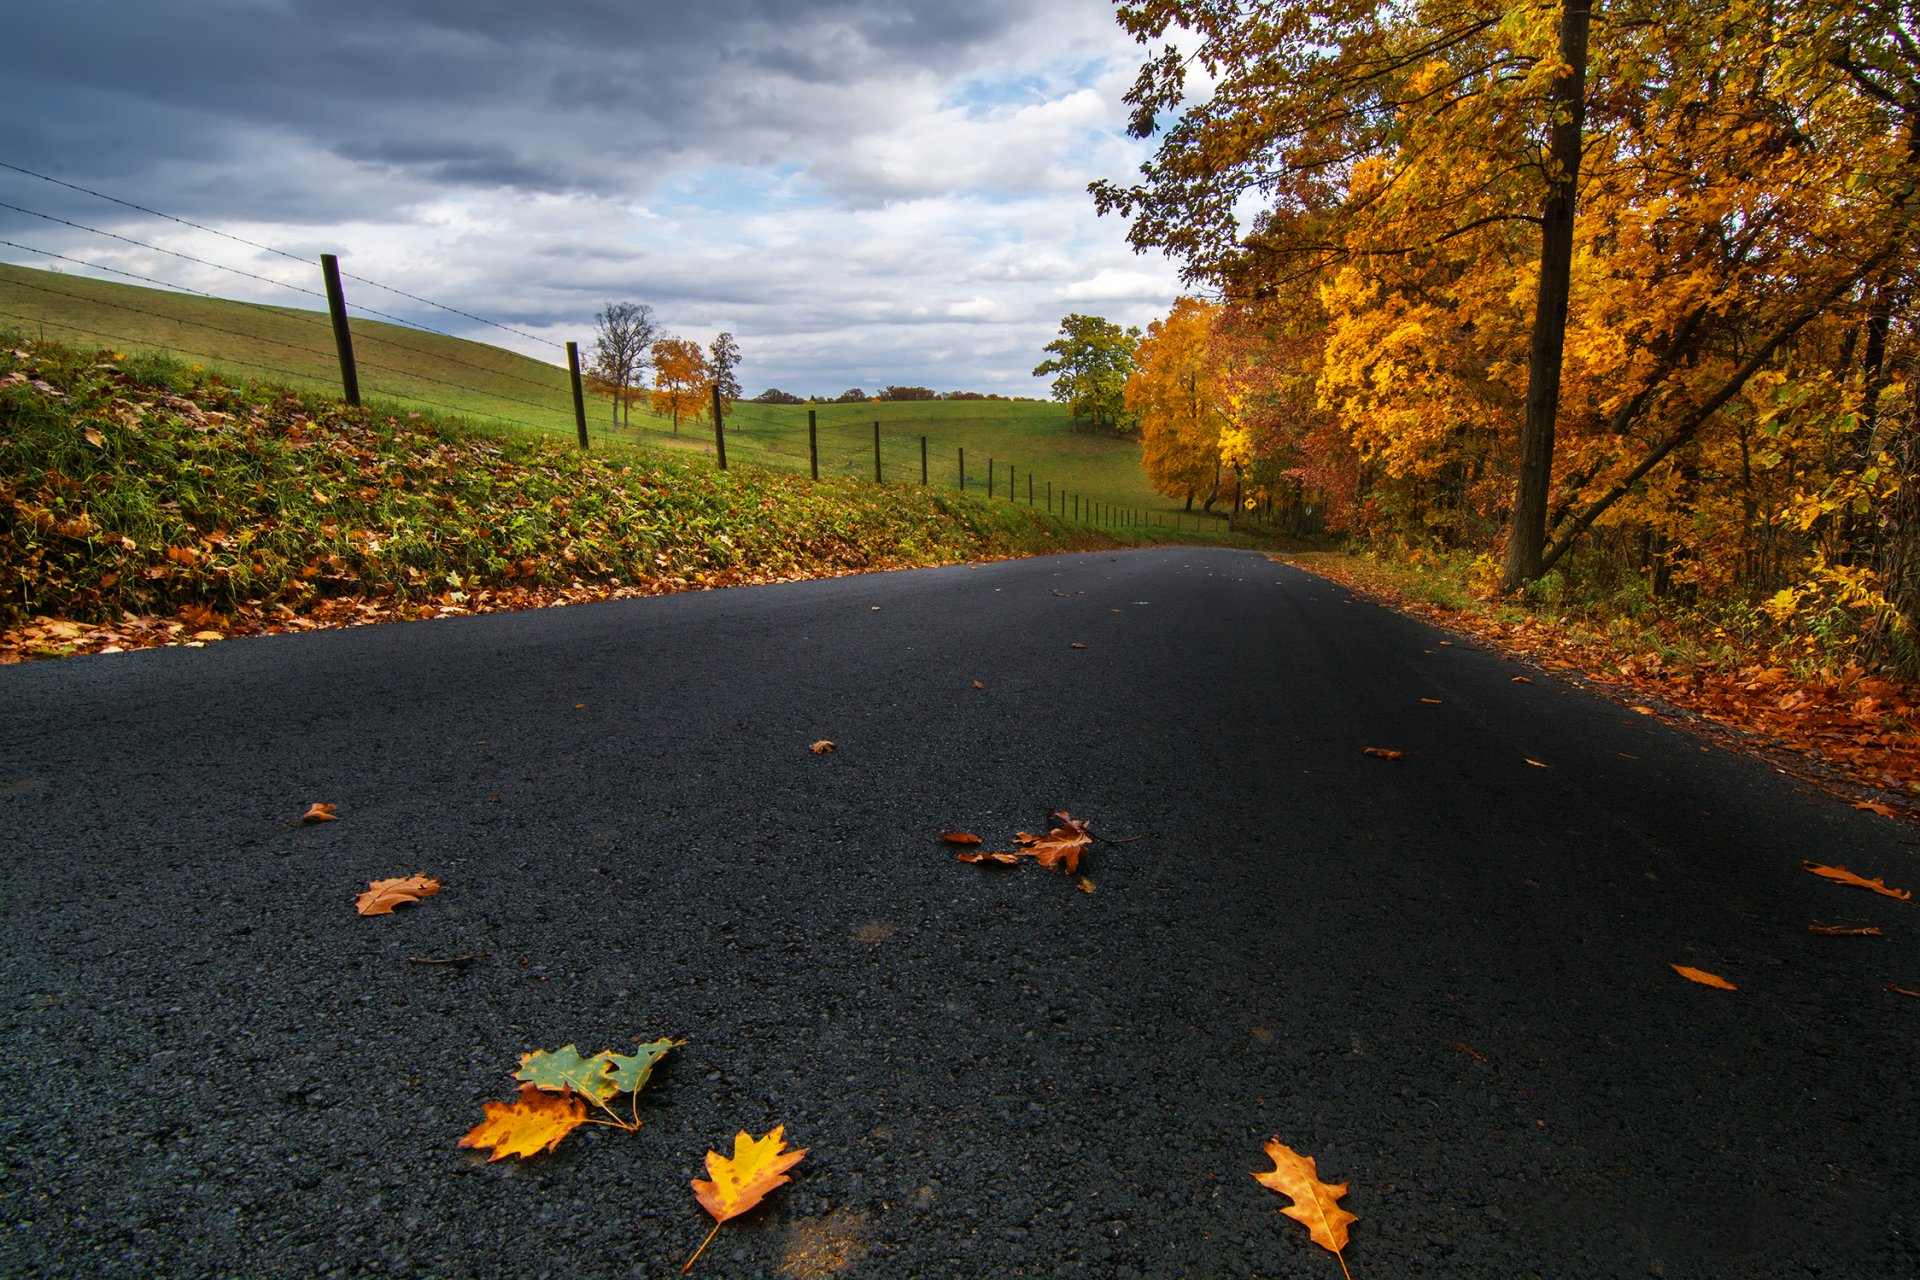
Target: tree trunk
(1527, 538)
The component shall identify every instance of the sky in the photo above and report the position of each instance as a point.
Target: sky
(863, 192)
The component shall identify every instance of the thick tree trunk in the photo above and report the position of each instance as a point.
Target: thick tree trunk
(1527, 538)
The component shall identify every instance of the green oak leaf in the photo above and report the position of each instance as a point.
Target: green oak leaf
(630, 1073)
(566, 1069)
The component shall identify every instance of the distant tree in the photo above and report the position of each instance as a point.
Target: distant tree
(852, 395)
(723, 357)
(908, 393)
(1092, 360)
(623, 335)
(1178, 393)
(681, 378)
(963, 395)
(774, 395)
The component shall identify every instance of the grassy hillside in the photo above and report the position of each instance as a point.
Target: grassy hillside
(402, 368)
(144, 501)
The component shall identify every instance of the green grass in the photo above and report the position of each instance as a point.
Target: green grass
(403, 369)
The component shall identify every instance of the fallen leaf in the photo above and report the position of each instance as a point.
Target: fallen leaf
(757, 1167)
(94, 438)
(1061, 847)
(1085, 885)
(1845, 876)
(564, 1069)
(382, 896)
(533, 1123)
(1874, 806)
(821, 747)
(978, 685)
(1845, 931)
(981, 855)
(1076, 645)
(1382, 753)
(1316, 1204)
(1704, 978)
(1535, 763)
(1644, 711)
(320, 813)
(1902, 991)
(959, 837)
(1522, 680)
(1433, 702)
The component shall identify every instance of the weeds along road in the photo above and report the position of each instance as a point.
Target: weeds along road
(1447, 977)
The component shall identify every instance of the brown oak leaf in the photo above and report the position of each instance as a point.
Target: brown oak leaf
(382, 896)
(1316, 1204)
(1845, 876)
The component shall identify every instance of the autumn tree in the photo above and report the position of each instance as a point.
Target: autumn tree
(623, 337)
(1091, 362)
(1177, 393)
(682, 381)
(723, 357)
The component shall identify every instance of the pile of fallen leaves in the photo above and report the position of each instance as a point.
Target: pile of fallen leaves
(143, 503)
(1853, 724)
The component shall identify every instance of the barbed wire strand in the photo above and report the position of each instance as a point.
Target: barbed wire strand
(267, 248)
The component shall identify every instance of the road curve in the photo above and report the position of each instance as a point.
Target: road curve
(1447, 976)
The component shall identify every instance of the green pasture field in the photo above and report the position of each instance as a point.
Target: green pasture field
(407, 368)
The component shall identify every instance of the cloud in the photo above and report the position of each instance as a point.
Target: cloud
(863, 191)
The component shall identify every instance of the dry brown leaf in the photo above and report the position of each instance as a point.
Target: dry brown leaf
(320, 813)
(1645, 711)
(1522, 680)
(1704, 978)
(1874, 806)
(533, 1123)
(1846, 931)
(821, 747)
(1060, 848)
(1316, 1204)
(1085, 885)
(981, 855)
(1535, 763)
(382, 896)
(1076, 645)
(1434, 702)
(1382, 753)
(1845, 876)
(959, 837)
(978, 685)
(1902, 991)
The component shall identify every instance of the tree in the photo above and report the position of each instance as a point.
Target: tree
(1093, 358)
(681, 381)
(852, 395)
(723, 357)
(1177, 392)
(623, 335)
(907, 393)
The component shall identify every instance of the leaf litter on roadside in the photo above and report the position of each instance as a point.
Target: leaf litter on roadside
(1060, 849)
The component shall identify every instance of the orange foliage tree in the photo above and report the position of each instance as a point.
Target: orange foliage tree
(681, 381)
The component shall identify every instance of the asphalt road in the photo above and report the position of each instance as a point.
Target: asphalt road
(1447, 976)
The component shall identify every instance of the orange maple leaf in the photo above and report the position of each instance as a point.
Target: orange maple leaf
(319, 813)
(821, 747)
(1845, 876)
(532, 1123)
(959, 837)
(1316, 1204)
(1382, 753)
(1704, 978)
(757, 1167)
(382, 896)
(1060, 848)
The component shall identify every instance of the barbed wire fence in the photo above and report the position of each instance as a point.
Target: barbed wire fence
(550, 407)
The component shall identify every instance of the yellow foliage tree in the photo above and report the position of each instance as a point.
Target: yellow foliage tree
(1179, 395)
(682, 381)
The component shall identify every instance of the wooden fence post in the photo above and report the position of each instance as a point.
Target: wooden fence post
(1029, 488)
(963, 470)
(876, 453)
(813, 445)
(989, 479)
(579, 400)
(342, 335)
(719, 430)
(923, 460)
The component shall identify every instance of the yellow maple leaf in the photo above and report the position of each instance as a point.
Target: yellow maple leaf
(758, 1166)
(1316, 1204)
(532, 1123)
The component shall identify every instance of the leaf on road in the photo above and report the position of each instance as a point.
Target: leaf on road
(1874, 806)
(1643, 711)
(1535, 763)
(1316, 1204)
(319, 813)
(821, 747)
(1521, 680)
(1704, 978)
(1076, 645)
(982, 855)
(978, 685)
(1845, 876)
(959, 837)
(382, 896)
(1845, 931)
(1382, 753)
(1059, 849)
(1085, 885)
(1902, 991)
(1433, 702)
(534, 1122)
(565, 1069)
(631, 1071)
(758, 1166)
